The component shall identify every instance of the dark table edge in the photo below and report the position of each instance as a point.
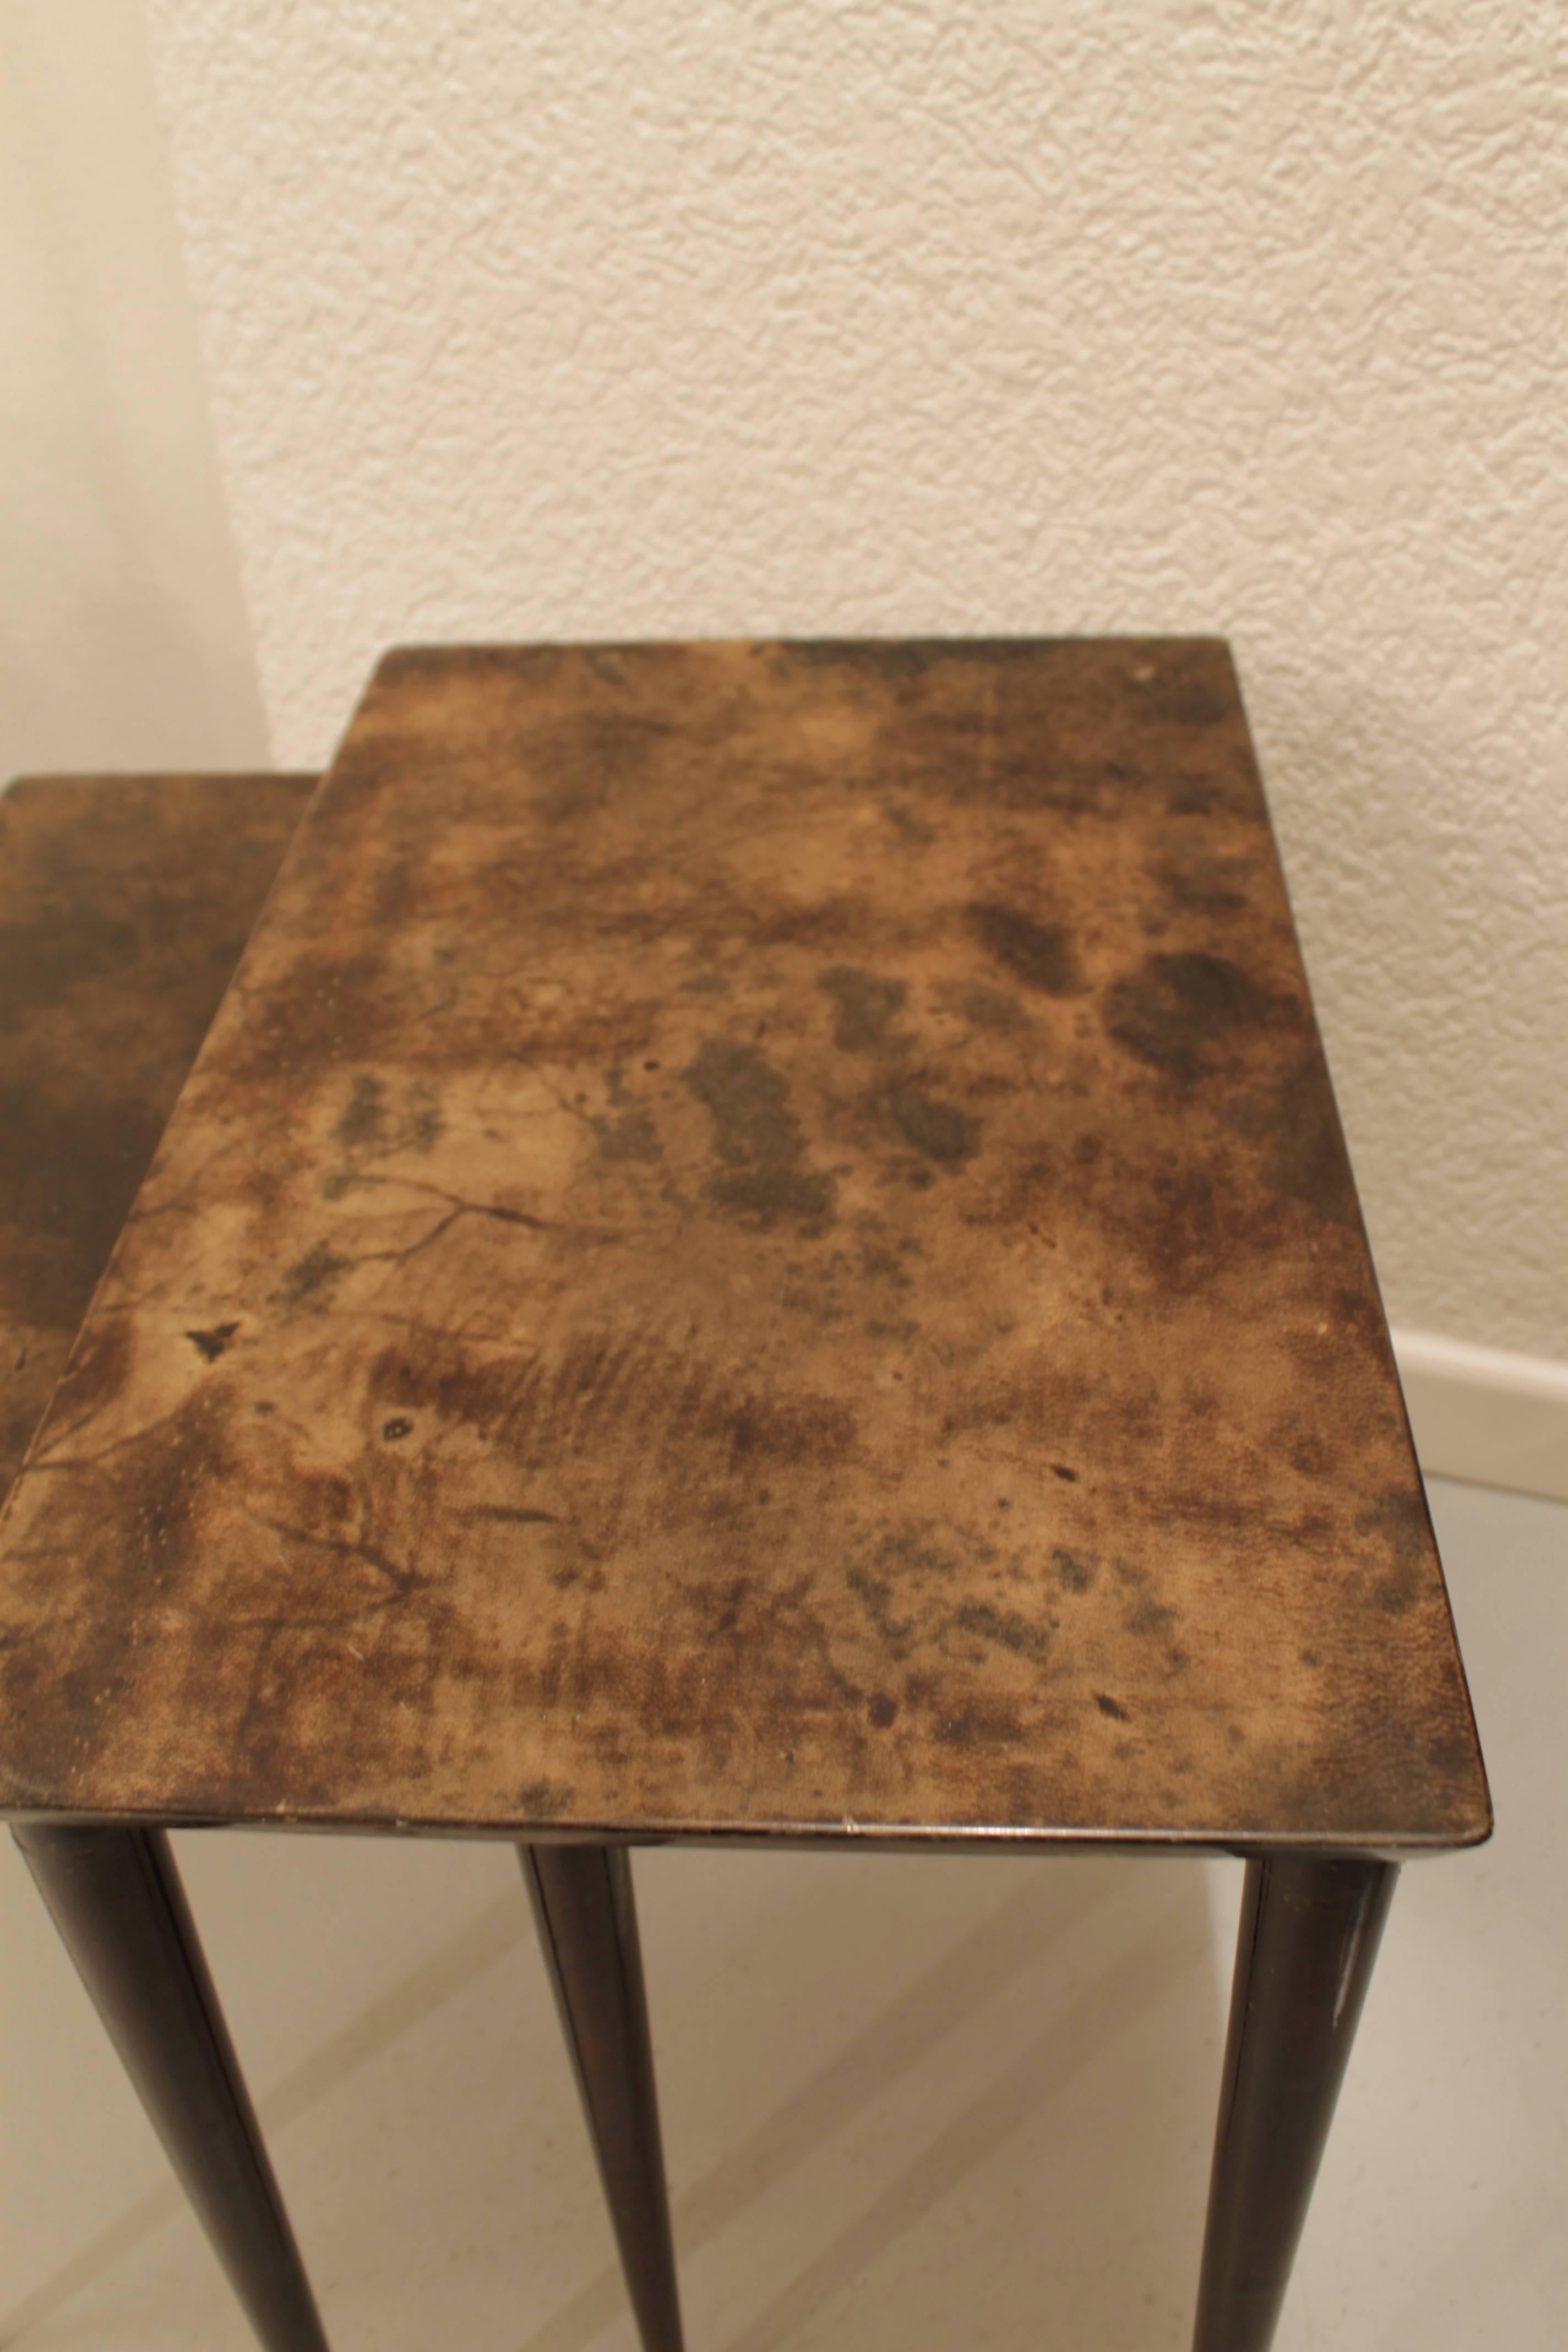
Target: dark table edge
(816, 1837)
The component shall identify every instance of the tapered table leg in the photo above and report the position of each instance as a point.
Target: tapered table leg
(1309, 1932)
(581, 1897)
(116, 1898)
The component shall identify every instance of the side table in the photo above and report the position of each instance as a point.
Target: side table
(126, 902)
(759, 1250)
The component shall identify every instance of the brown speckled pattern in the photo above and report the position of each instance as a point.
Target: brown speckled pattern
(760, 1245)
(124, 905)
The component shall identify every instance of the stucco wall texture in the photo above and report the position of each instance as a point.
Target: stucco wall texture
(548, 321)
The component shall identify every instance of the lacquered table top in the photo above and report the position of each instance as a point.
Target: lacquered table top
(760, 1247)
(124, 903)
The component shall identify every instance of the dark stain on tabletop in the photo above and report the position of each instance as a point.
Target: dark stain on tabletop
(757, 1138)
(1180, 1013)
(362, 1120)
(1041, 955)
(802, 1429)
(368, 1126)
(298, 1028)
(1006, 1628)
(987, 1008)
(938, 1131)
(545, 1801)
(983, 1722)
(1149, 1616)
(875, 1594)
(214, 1342)
(864, 1003)
(630, 1135)
(1074, 1573)
(311, 1277)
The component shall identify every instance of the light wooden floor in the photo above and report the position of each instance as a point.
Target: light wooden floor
(907, 2103)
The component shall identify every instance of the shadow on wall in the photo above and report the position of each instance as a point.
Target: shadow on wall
(124, 641)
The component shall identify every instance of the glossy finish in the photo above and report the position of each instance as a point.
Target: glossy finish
(117, 1901)
(583, 1906)
(124, 903)
(762, 1245)
(1309, 1935)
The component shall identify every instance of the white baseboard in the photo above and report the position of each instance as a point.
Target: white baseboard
(1481, 1413)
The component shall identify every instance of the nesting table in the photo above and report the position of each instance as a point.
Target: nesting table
(759, 1251)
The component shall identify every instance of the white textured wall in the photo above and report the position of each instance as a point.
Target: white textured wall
(552, 320)
(123, 637)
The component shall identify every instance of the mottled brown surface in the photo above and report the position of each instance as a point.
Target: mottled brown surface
(124, 905)
(761, 1244)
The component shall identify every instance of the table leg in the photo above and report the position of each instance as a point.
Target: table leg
(1309, 1932)
(116, 1898)
(581, 1897)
